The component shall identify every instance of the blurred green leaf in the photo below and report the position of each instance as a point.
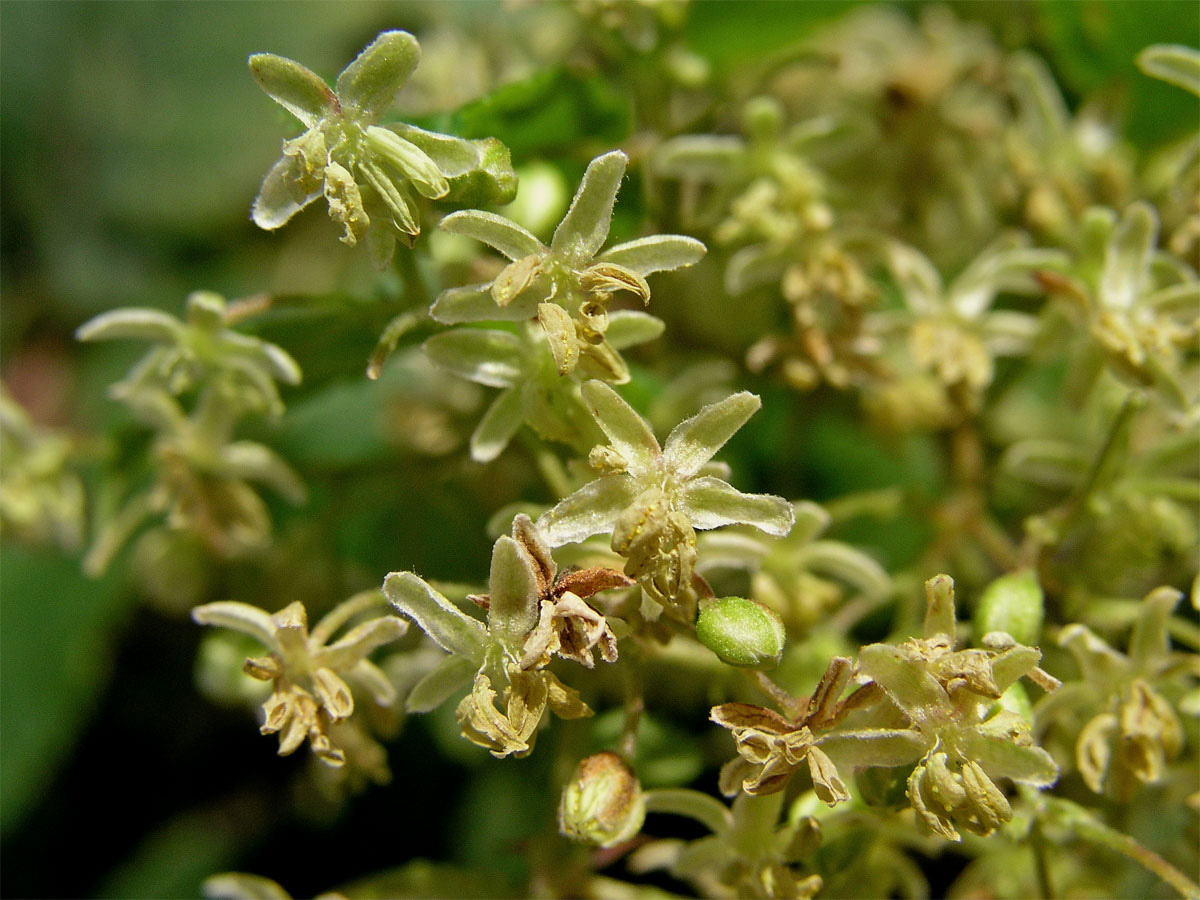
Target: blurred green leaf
(55, 653)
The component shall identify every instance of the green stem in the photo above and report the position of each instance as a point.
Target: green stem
(754, 821)
(708, 811)
(415, 289)
(635, 701)
(549, 466)
(1104, 836)
(1041, 863)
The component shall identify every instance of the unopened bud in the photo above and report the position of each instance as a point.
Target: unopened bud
(742, 632)
(603, 803)
(1014, 604)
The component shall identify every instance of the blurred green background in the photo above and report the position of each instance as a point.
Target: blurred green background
(132, 142)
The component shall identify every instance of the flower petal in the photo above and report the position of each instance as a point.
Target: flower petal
(447, 625)
(485, 356)
(498, 425)
(474, 303)
(496, 231)
(710, 503)
(449, 676)
(658, 253)
(628, 432)
(906, 681)
(296, 88)
(369, 84)
(694, 441)
(134, 324)
(243, 617)
(409, 159)
(513, 587)
(629, 327)
(593, 509)
(276, 202)
(361, 641)
(584, 228)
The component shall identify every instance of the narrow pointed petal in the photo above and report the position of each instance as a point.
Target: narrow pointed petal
(496, 231)
(447, 625)
(593, 509)
(1001, 758)
(395, 197)
(710, 503)
(255, 462)
(630, 327)
(1175, 64)
(875, 747)
(240, 617)
(133, 324)
(448, 677)
(296, 88)
(361, 641)
(489, 357)
(584, 228)
(1126, 273)
(375, 680)
(501, 421)
(276, 202)
(474, 303)
(659, 253)
(513, 587)
(628, 432)
(912, 688)
(370, 83)
(695, 441)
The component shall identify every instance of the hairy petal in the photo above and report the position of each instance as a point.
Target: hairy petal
(710, 503)
(593, 509)
(585, 226)
(695, 440)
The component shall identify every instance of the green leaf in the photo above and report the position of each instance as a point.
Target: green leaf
(584, 228)
(370, 83)
(695, 441)
(498, 425)
(1174, 64)
(496, 231)
(56, 649)
(629, 433)
(709, 502)
(657, 253)
(296, 88)
(444, 680)
(593, 509)
(490, 357)
(513, 587)
(447, 625)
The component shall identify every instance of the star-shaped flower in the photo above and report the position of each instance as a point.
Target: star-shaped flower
(652, 498)
(309, 692)
(568, 285)
(531, 616)
(368, 172)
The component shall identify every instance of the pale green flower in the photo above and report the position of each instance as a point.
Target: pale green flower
(652, 498)
(41, 498)
(521, 364)
(569, 284)
(533, 614)
(201, 351)
(367, 172)
(307, 669)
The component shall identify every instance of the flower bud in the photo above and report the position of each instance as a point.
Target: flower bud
(742, 632)
(602, 804)
(1014, 604)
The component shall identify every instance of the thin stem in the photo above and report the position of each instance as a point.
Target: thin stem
(415, 289)
(549, 466)
(1041, 863)
(791, 706)
(1101, 834)
(635, 701)
(708, 811)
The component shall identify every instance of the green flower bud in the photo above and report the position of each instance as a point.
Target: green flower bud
(603, 803)
(742, 632)
(1013, 603)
